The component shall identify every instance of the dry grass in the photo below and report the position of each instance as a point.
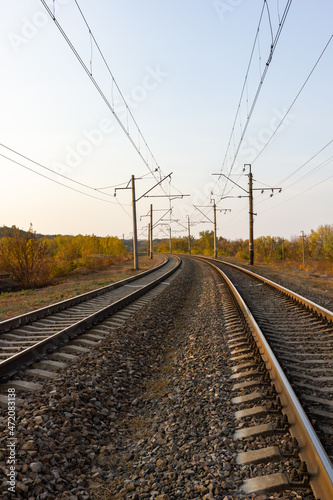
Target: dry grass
(158, 388)
(137, 427)
(20, 302)
(107, 490)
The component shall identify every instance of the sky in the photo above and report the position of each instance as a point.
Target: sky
(201, 105)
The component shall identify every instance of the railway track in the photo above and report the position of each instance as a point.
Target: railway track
(272, 444)
(283, 373)
(37, 344)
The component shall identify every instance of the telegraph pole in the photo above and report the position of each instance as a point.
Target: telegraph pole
(251, 250)
(148, 239)
(250, 196)
(135, 231)
(151, 233)
(215, 236)
(189, 235)
(225, 210)
(303, 248)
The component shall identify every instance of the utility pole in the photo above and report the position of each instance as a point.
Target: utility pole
(250, 196)
(148, 239)
(215, 236)
(171, 197)
(303, 248)
(251, 250)
(189, 235)
(151, 233)
(135, 231)
(225, 210)
(170, 241)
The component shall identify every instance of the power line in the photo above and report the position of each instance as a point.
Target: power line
(308, 161)
(292, 104)
(314, 170)
(107, 102)
(61, 175)
(272, 49)
(53, 180)
(250, 112)
(244, 87)
(123, 183)
(299, 194)
(115, 83)
(105, 99)
(50, 169)
(236, 215)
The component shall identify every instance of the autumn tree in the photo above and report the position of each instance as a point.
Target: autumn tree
(321, 243)
(25, 258)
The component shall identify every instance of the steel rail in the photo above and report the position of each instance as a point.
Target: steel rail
(311, 450)
(321, 311)
(23, 319)
(34, 353)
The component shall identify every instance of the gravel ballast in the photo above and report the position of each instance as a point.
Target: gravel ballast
(146, 414)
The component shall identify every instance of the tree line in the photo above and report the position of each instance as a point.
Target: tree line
(34, 260)
(318, 245)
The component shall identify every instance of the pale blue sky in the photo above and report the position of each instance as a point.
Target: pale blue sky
(181, 65)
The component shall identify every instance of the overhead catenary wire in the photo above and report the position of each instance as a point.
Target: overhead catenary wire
(314, 170)
(299, 194)
(273, 46)
(232, 137)
(111, 106)
(98, 88)
(280, 123)
(294, 101)
(305, 163)
(53, 180)
(256, 96)
(61, 175)
(308, 174)
(51, 170)
(244, 88)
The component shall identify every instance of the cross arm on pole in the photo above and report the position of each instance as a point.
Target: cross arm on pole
(196, 206)
(267, 189)
(181, 224)
(156, 223)
(232, 181)
(117, 189)
(154, 186)
(171, 196)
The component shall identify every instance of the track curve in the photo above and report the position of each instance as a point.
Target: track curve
(296, 334)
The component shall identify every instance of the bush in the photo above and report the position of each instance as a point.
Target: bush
(241, 254)
(25, 258)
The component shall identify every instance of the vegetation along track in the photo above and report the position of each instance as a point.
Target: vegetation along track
(26, 339)
(293, 340)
